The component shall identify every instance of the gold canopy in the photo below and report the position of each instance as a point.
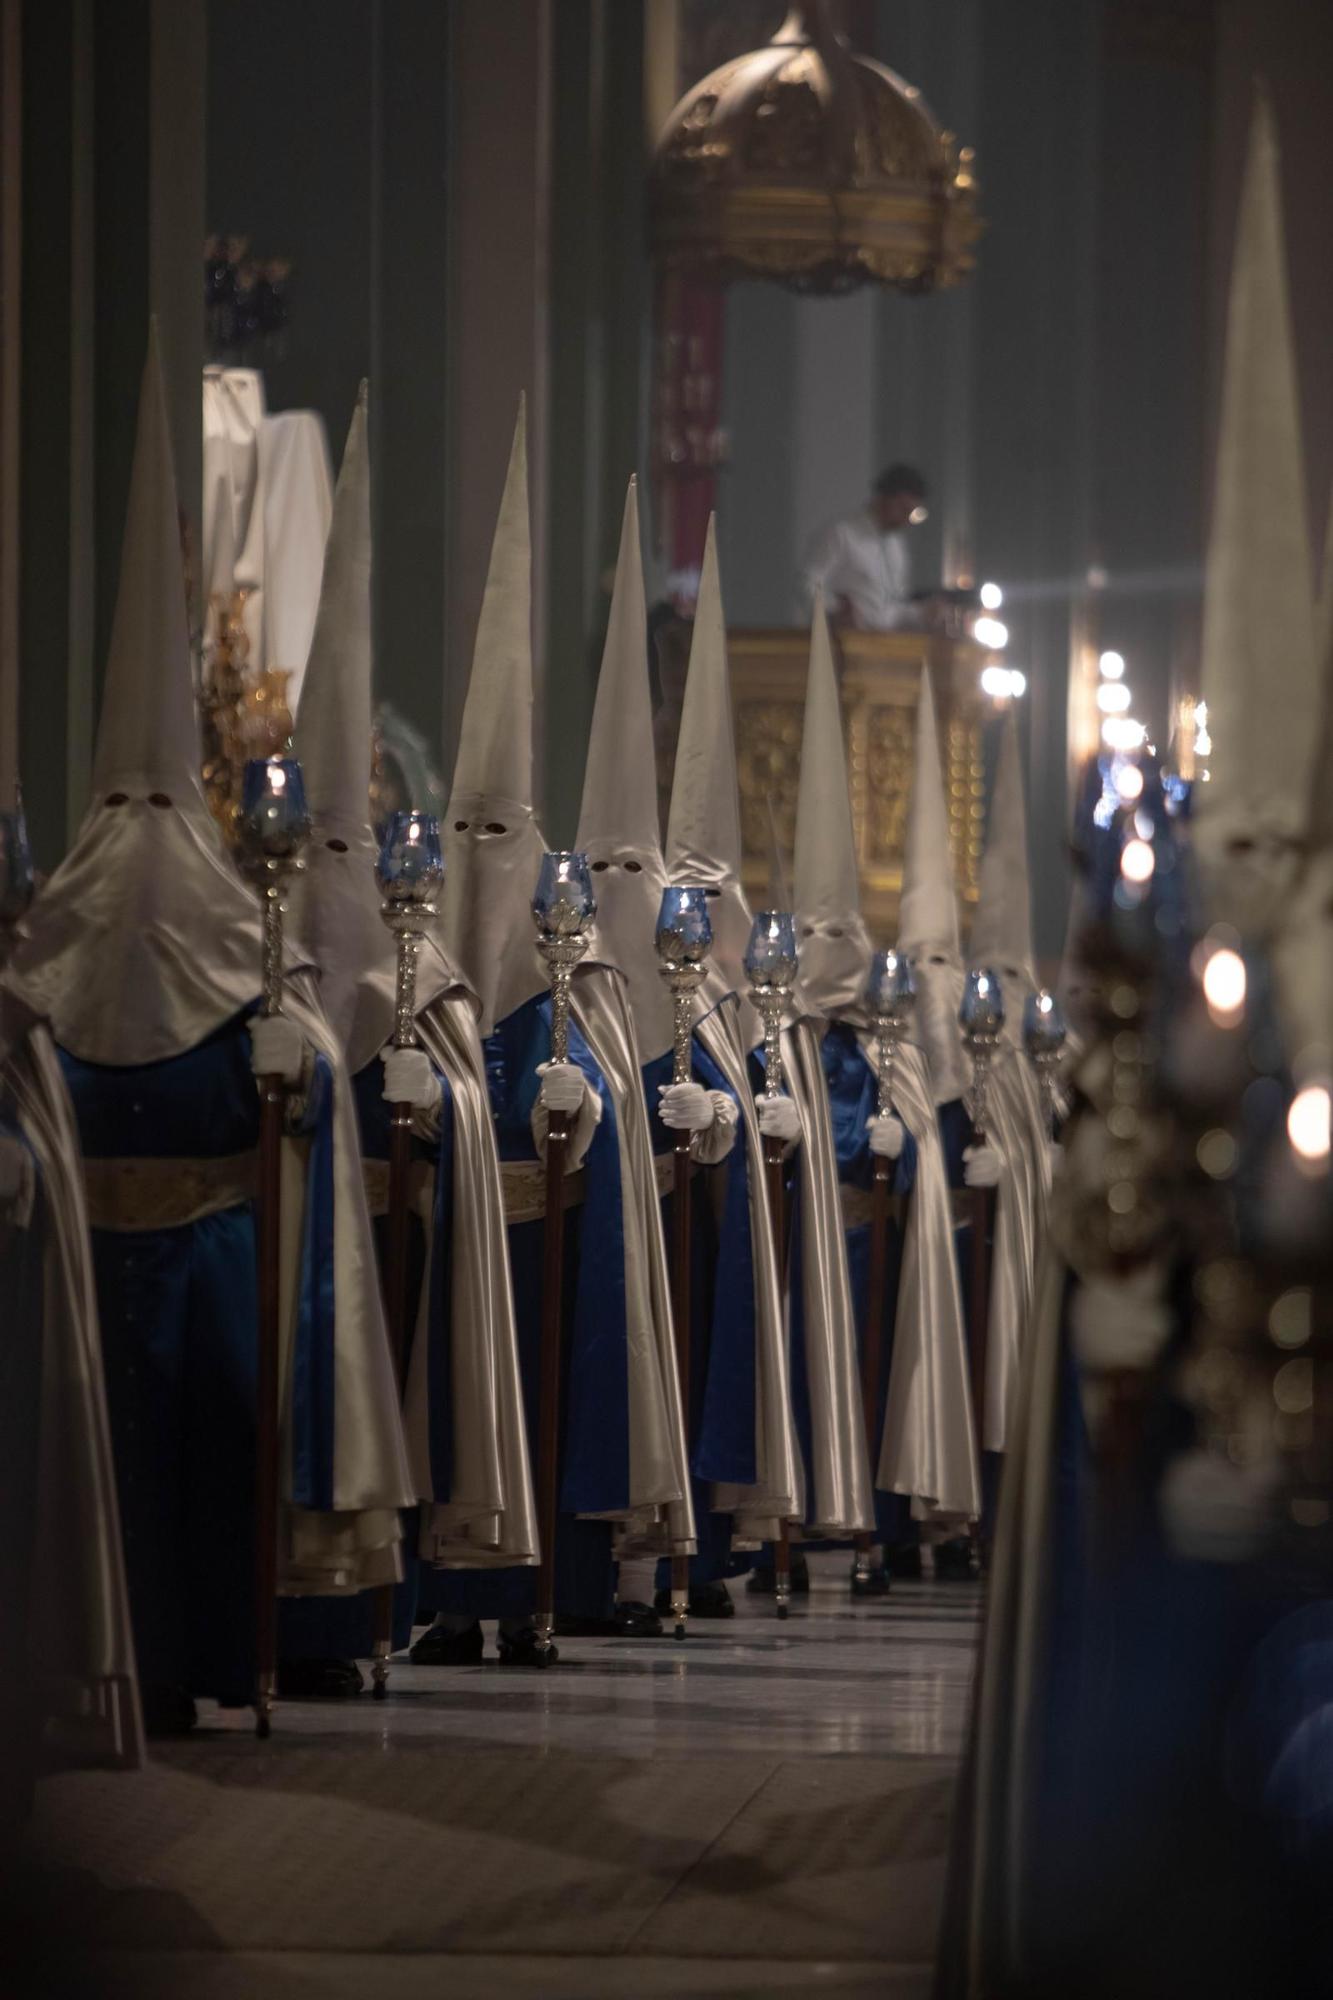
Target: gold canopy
(809, 164)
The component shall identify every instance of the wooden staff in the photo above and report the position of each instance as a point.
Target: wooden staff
(273, 829)
(770, 997)
(411, 874)
(983, 1017)
(562, 947)
(680, 1308)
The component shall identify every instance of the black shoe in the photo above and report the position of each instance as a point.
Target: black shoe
(707, 1600)
(903, 1562)
(955, 1562)
(438, 1647)
(523, 1649)
(762, 1579)
(627, 1621)
(873, 1583)
(168, 1711)
(318, 1680)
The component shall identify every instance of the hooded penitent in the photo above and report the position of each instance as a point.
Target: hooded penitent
(926, 1449)
(618, 825)
(928, 912)
(704, 827)
(493, 850)
(493, 854)
(144, 943)
(618, 828)
(477, 1503)
(1259, 666)
(835, 947)
(1017, 1121)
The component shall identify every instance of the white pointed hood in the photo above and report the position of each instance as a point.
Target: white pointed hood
(834, 943)
(1259, 669)
(145, 939)
(1001, 938)
(336, 903)
(618, 825)
(493, 847)
(704, 826)
(928, 911)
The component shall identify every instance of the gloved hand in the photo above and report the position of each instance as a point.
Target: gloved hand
(1120, 1322)
(16, 1182)
(981, 1167)
(685, 1107)
(563, 1087)
(277, 1048)
(1055, 1154)
(886, 1136)
(410, 1079)
(726, 1111)
(779, 1119)
(1214, 1511)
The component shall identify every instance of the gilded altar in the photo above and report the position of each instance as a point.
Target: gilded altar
(880, 676)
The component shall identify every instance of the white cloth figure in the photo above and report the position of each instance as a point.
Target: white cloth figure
(1259, 668)
(494, 851)
(485, 1513)
(926, 1449)
(1017, 1123)
(145, 942)
(868, 568)
(704, 850)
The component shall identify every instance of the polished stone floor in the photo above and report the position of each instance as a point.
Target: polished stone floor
(761, 1810)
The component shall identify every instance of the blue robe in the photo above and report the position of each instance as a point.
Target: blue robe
(179, 1312)
(22, 1286)
(853, 1101)
(957, 1133)
(594, 1403)
(720, 1422)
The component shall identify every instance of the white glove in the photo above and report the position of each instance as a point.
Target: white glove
(779, 1119)
(16, 1183)
(886, 1136)
(685, 1107)
(277, 1048)
(981, 1167)
(563, 1087)
(1120, 1322)
(409, 1079)
(1055, 1154)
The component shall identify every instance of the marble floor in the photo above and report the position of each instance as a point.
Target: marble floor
(762, 1810)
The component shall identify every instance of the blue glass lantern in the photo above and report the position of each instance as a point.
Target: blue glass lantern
(17, 879)
(274, 823)
(410, 866)
(1044, 1026)
(563, 904)
(684, 931)
(982, 1011)
(770, 956)
(891, 989)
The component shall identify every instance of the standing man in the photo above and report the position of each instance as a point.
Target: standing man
(863, 564)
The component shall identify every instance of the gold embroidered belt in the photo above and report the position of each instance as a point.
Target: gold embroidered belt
(858, 1206)
(664, 1165)
(375, 1177)
(133, 1194)
(524, 1183)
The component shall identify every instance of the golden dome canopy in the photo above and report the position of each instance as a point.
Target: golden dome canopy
(809, 164)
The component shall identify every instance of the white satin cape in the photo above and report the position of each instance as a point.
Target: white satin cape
(1016, 1127)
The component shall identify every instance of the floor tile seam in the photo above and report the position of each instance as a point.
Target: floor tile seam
(627, 1944)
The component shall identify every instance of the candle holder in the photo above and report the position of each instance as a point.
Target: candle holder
(563, 909)
(273, 830)
(770, 964)
(981, 1017)
(891, 1002)
(1044, 1035)
(410, 873)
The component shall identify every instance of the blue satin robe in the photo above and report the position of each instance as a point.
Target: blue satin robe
(853, 1101)
(721, 1417)
(179, 1311)
(594, 1405)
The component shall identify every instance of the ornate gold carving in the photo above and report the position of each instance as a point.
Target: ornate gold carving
(820, 168)
(890, 750)
(768, 768)
(242, 714)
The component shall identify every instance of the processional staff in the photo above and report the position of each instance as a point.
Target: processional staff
(410, 872)
(890, 1002)
(1044, 1036)
(770, 964)
(981, 1018)
(563, 908)
(684, 938)
(273, 829)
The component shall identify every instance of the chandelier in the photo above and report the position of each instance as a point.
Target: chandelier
(809, 164)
